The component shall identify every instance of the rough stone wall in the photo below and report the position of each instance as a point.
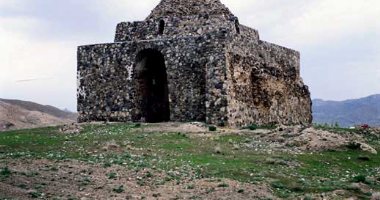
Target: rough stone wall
(107, 81)
(264, 83)
(175, 27)
(202, 41)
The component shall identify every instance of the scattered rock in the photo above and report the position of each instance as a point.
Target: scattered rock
(124, 187)
(4, 125)
(273, 161)
(318, 140)
(73, 128)
(367, 148)
(361, 146)
(218, 150)
(375, 196)
(111, 146)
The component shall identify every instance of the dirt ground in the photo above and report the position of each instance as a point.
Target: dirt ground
(77, 180)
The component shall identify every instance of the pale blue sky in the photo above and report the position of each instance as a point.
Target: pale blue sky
(339, 41)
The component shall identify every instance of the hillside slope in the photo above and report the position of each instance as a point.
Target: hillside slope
(348, 113)
(188, 161)
(16, 114)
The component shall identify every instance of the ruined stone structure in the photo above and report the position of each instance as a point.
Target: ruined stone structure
(191, 60)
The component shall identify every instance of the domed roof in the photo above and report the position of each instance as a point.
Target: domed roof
(188, 7)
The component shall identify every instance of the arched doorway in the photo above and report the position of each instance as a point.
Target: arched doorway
(152, 86)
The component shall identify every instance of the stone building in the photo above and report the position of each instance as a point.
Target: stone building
(191, 60)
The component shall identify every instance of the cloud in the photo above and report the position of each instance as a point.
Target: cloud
(7, 4)
(303, 23)
(33, 79)
(124, 10)
(25, 58)
(74, 20)
(376, 63)
(347, 80)
(342, 70)
(331, 21)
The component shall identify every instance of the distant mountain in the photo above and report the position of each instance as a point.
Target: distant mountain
(348, 113)
(16, 114)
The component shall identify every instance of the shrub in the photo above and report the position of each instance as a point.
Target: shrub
(212, 128)
(5, 172)
(34, 194)
(119, 189)
(190, 187)
(270, 126)
(112, 175)
(364, 158)
(308, 197)
(221, 124)
(353, 146)
(252, 127)
(359, 179)
(223, 185)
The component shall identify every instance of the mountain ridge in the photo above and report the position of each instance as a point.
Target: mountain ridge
(349, 112)
(18, 114)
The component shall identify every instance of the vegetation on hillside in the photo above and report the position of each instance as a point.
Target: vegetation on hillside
(213, 156)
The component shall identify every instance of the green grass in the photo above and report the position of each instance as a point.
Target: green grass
(5, 173)
(119, 189)
(314, 173)
(112, 175)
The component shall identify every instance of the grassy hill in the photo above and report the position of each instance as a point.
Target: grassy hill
(115, 161)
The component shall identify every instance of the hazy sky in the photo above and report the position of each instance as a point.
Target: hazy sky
(339, 41)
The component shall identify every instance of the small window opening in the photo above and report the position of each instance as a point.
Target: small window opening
(237, 26)
(161, 27)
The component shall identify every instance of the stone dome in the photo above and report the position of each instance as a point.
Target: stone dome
(177, 8)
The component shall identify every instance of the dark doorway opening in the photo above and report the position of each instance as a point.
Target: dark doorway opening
(152, 86)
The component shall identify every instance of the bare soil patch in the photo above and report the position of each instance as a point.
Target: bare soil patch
(30, 179)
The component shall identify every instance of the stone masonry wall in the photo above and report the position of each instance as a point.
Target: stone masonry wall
(264, 84)
(175, 27)
(196, 40)
(106, 78)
